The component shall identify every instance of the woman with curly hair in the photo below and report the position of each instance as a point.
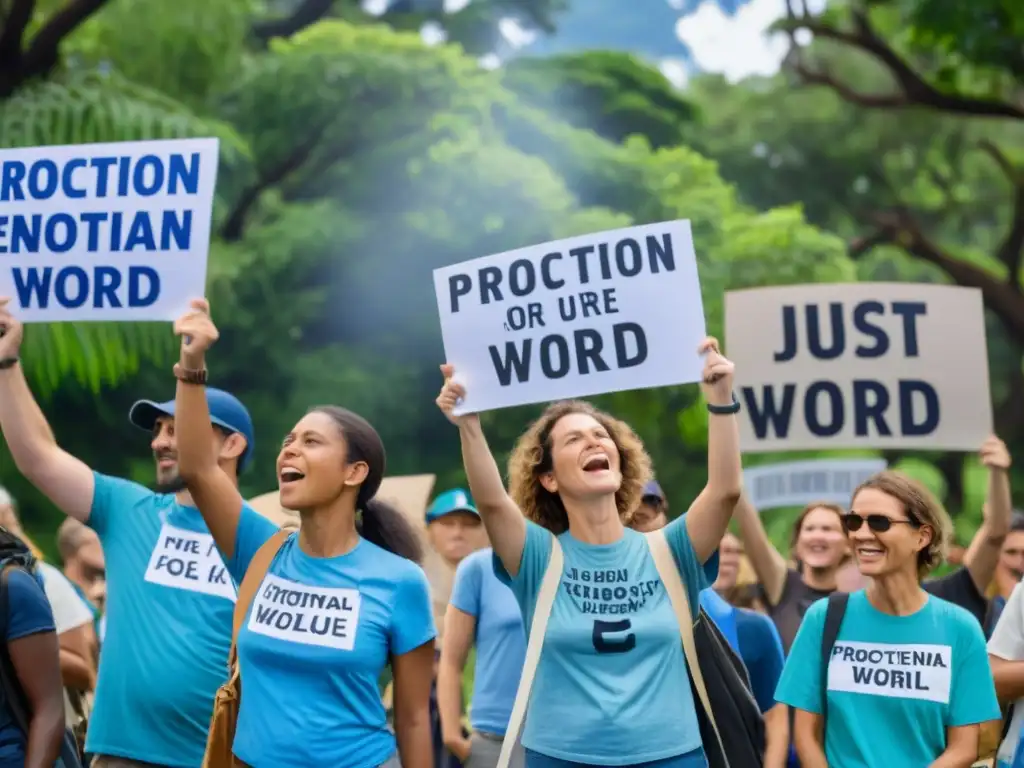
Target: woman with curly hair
(611, 688)
(908, 679)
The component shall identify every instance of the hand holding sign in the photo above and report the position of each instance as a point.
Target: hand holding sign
(994, 454)
(451, 394)
(198, 333)
(716, 380)
(11, 331)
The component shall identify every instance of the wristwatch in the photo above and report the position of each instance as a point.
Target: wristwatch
(189, 376)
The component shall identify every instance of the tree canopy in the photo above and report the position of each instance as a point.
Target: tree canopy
(355, 159)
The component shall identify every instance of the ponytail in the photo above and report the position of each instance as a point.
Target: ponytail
(389, 529)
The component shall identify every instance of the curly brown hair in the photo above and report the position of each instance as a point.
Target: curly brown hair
(922, 508)
(531, 458)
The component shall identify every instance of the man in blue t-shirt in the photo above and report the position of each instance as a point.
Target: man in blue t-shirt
(168, 592)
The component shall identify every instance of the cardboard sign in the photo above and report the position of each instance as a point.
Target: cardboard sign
(863, 365)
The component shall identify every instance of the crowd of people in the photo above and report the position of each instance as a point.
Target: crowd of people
(186, 629)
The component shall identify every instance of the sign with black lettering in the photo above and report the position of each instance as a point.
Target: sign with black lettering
(863, 365)
(189, 560)
(299, 613)
(917, 671)
(797, 483)
(583, 316)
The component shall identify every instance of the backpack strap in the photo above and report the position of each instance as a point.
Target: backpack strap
(667, 569)
(14, 697)
(254, 574)
(837, 602)
(534, 644)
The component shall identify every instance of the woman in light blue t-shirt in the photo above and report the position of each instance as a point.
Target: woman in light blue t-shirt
(611, 687)
(908, 678)
(342, 598)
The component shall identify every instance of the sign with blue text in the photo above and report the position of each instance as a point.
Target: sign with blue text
(106, 231)
(798, 483)
(862, 365)
(598, 313)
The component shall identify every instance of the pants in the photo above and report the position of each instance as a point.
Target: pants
(485, 749)
(106, 761)
(693, 759)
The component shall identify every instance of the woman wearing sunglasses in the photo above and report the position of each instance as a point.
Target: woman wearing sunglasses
(908, 678)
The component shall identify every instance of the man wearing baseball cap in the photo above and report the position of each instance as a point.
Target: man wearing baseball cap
(169, 598)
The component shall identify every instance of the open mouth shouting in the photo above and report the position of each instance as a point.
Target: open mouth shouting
(289, 475)
(599, 462)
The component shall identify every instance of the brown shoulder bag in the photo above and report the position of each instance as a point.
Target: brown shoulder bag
(221, 738)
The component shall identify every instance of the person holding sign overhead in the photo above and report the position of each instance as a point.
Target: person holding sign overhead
(611, 686)
(906, 676)
(342, 596)
(169, 594)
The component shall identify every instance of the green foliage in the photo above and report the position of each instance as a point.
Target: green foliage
(355, 160)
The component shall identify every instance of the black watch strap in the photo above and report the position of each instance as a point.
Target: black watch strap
(725, 410)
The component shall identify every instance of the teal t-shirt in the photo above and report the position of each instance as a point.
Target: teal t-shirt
(895, 683)
(170, 601)
(611, 686)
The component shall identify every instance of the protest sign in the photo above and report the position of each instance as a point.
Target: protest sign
(106, 231)
(798, 483)
(598, 313)
(863, 365)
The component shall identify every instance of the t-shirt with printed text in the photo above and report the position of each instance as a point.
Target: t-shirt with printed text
(611, 685)
(165, 653)
(895, 683)
(313, 646)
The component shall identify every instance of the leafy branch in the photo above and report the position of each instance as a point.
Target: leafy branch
(912, 89)
(19, 64)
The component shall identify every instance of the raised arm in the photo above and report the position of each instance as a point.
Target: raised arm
(505, 524)
(982, 555)
(63, 479)
(768, 563)
(213, 491)
(708, 517)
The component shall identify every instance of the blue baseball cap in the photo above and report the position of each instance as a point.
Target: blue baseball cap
(651, 488)
(226, 411)
(455, 500)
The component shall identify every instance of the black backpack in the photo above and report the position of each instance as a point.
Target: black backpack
(14, 554)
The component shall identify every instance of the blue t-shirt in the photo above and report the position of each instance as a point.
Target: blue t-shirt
(896, 683)
(170, 601)
(500, 640)
(761, 651)
(612, 685)
(313, 647)
(724, 616)
(28, 613)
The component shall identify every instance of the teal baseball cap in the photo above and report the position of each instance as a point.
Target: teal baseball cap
(449, 502)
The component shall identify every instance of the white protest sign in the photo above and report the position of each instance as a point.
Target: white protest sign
(863, 365)
(798, 483)
(599, 313)
(106, 231)
(298, 613)
(188, 560)
(917, 671)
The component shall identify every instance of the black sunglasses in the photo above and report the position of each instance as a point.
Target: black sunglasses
(877, 523)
